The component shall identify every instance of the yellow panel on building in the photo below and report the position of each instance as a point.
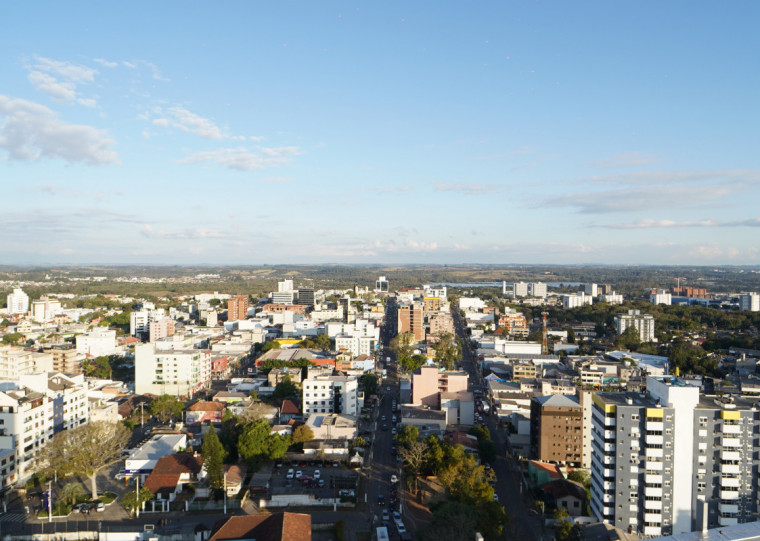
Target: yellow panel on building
(654, 412)
(731, 415)
(608, 408)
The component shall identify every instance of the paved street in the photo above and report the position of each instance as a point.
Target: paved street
(523, 524)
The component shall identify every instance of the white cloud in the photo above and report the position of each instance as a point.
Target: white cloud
(649, 178)
(655, 224)
(30, 131)
(105, 63)
(59, 79)
(191, 233)
(466, 189)
(627, 159)
(187, 121)
(243, 159)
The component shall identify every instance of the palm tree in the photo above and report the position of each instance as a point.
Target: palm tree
(70, 491)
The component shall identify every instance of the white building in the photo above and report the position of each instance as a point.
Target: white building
(99, 341)
(591, 289)
(139, 321)
(660, 296)
(436, 292)
(749, 302)
(520, 289)
(330, 394)
(18, 302)
(26, 418)
(611, 298)
(644, 323)
(381, 285)
(538, 289)
(45, 309)
(142, 460)
(471, 303)
(16, 361)
(69, 393)
(178, 372)
(576, 300)
(332, 426)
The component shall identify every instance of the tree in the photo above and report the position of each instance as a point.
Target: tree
(410, 364)
(85, 450)
(565, 530)
(257, 442)
(213, 458)
(70, 491)
(447, 351)
(630, 339)
(453, 521)
(369, 382)
(302, 434)
(12, 338)
(320, 341)
(413, 456)
(570, 336)
(407, 435)
(284, 389)
(97, 368)
(166, 407)
(401, 345)
(132, 501)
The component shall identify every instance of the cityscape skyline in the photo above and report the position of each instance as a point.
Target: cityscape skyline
(519, 132)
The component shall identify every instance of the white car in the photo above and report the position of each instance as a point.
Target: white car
(394, 479)
(400, 527)
(299, 474)
(386, 517)
(317, 474)
(396, 516)
(495, 497)
(100, 507)
(290, 474)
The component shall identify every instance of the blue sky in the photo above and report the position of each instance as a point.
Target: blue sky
(380, 132)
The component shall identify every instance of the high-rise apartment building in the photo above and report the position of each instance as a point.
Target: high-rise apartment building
(237, 308)
(45, 309)
(660, 296)
(174, 372)
(306, 297)
(411, 319)
(644, 323)
(662, 460)
(556, 429)
(591, 289)
(381, 285)
(160, 328)
(520, 289)
(18, 302)
(749, 302)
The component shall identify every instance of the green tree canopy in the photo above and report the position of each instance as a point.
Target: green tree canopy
(302, 434)
(213, 458)
(284, 389)
(166, 407)
(369, 382)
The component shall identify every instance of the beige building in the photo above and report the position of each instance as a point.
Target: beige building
(428, 382)
(410, 319)
(441, 323)
(66, 359)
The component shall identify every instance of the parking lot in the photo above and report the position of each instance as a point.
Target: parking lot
(329, 482)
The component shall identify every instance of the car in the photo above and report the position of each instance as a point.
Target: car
(396, 516)
(400, 527)
(299, 474)
(386, 515)
(393, 418)
(321, 483)
(85, 508)
(381, 500)
(317, 474)
(335, 464)
(121, 475)
(393, 430)
(393, 450)
(290, 473)
(78, 507)
(100, 507)
(394, 479)
(385, 427)
(382, 418)
(495, 497)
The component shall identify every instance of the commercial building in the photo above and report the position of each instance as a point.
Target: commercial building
(665, 460)
(306, 296)
(15, 361)
(45, 309)
(66, 359)
(331, 394)
(592, 290)
(160, 328)
(644, 323)
(576, 300)
(26, 418)
(18, 302)
(749, 302)
(237, 308)
(556, 429)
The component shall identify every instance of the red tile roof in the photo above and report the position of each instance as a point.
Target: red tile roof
(289, 408)
(207, 406)
(168, 469)
(277, 527)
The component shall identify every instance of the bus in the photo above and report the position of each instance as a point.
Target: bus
(382, 534)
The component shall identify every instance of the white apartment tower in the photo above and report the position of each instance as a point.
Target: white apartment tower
(644, 323)
(660, 296)
(26, 423)
(174, 372)
(18, 302)
(747, 301)
(663, 459)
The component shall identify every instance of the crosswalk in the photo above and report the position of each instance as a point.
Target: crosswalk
(13, 517)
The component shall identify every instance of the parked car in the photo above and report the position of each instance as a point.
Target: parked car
(400, 527)
(380, 500)
(121, 475)
(386, 515)
(100, 507)
(299, 474)
(317, 474)
(290, 474)
(321, 483)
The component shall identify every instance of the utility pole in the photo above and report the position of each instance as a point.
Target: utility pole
(545, 339)
(224, 487)
(50, 501)
(142, 414)
(137, 497)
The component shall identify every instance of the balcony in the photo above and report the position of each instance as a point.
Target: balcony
(652, 531)
(728, 508)
(732, 429)
(653, 492)
(730, 455)
(730, 468)
(655, 425)
(729, 494)
(653, 479)
(654, 466)
(728, 521)
(654, 440)
(733, 443)
(657, 453)
(730, 482)
(651, 517)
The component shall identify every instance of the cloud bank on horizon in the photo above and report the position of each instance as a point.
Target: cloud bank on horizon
(510, 132)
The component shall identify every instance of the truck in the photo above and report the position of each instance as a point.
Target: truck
(382, 534)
